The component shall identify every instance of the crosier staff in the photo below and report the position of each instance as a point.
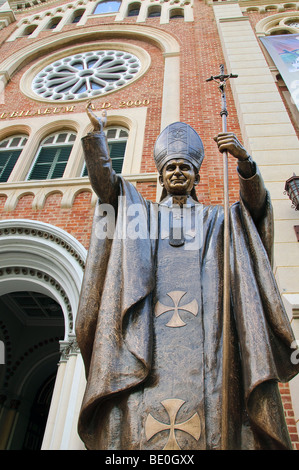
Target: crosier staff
(221, 80)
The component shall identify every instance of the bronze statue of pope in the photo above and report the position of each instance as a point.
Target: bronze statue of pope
(149, 323)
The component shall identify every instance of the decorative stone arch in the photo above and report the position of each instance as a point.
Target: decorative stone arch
(14, 129)
(34, 140)
(167, 43)
(133, 118)
(41, 19)
(72, 50)
(272, 7)
(70, 196)
(33, 371)
(53, 126)
(53, 21)
(41, 257)
(154, 8)
(278, 22)
(42, 196)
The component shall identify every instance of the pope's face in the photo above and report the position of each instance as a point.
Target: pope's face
(178, 177)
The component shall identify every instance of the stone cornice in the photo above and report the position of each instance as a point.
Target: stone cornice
(260, 3)
(69, 188)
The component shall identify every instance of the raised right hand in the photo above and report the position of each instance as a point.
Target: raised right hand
(98, 122)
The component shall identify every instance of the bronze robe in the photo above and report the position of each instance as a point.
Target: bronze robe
(116, 335)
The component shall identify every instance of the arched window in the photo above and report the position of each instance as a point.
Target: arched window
(10, 149)
(54, 22)
(154, 11)
(77, 16)
(176, 13)
(281, 23)
(52, 156)
(117, 140)
(134, 9)
(279, 32)
(29, 29)
(107, 6)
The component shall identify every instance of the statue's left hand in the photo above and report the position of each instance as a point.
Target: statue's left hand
(227, 141)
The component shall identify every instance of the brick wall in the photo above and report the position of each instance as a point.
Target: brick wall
(201, 55)
(76, 221)
(289, 414)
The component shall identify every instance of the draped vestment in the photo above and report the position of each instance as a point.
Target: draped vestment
(149, 327)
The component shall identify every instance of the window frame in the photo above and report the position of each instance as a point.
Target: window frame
(52, 145)
(111, 141)
(154, 11)
(78, 13)
(52, 24)
(102, 2)
(133, 7)
(177, 13)
(17, 148)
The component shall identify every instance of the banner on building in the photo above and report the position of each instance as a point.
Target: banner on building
(284, 50)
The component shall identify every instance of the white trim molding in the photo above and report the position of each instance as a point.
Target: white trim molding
(41, 257)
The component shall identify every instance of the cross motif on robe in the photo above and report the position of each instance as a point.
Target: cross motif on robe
(176, 320)
(191, 426)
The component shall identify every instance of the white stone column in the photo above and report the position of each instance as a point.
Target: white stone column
(269, 136)
(171, 90)
(54, 405)
(189, 16)
(164, 18)
(142, 12)
(70, 438)
(120, 16)
(74, 162)
(4, 77)
(58, 418)
(171, 97)
(267, 131)
(41, 26)
(17, 32)
(66, 16)
(89, 10)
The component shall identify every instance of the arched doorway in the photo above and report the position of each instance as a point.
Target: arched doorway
(33, 325)
(41, 270)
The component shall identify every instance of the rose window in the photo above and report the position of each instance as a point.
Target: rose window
(86, 75)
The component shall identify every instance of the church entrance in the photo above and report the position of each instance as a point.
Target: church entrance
(31, 326)
(41, 271)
